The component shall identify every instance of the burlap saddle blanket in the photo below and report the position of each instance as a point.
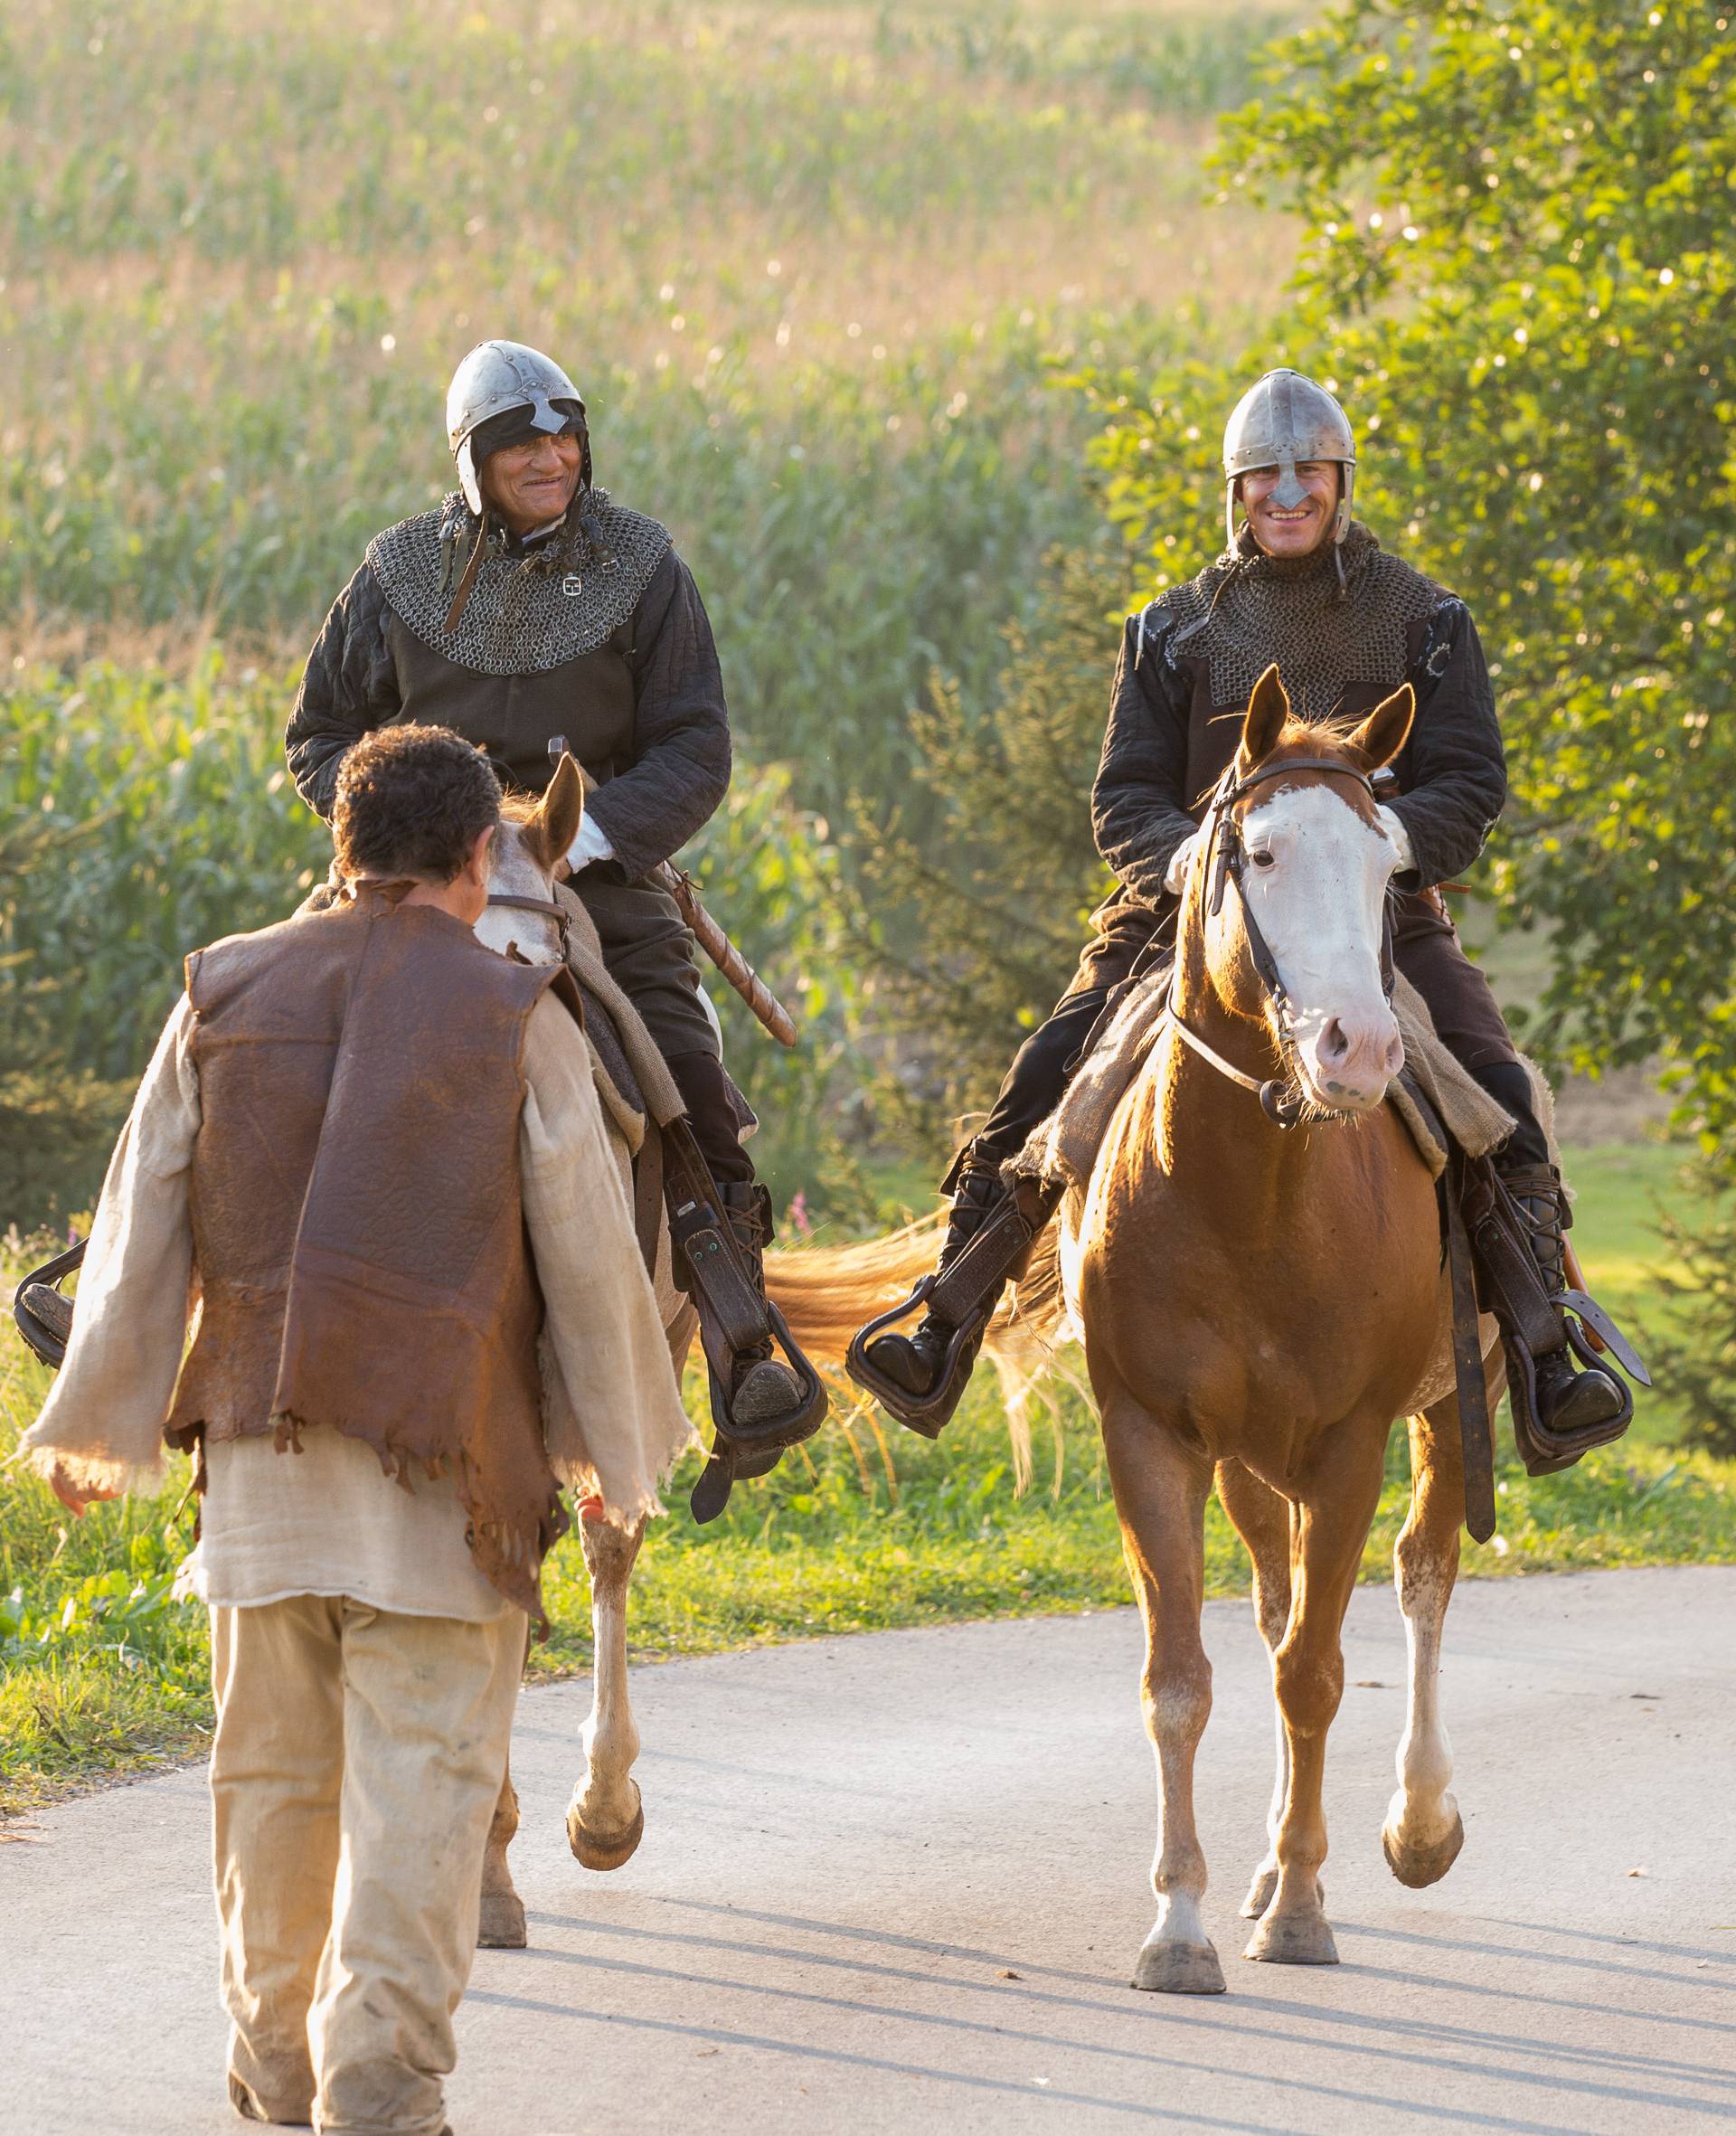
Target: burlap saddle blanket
(1063, 1150)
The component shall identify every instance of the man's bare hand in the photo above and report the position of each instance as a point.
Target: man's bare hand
(76, 1496)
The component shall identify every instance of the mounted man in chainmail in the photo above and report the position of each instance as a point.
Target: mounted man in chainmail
(1303, 584)
(527, 606)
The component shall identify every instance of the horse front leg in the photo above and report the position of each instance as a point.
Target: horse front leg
(1160, 1491)
(501, 1925)
(1331, 1527)
(1261, 1518)
(606, 1817)
(1423, 1830)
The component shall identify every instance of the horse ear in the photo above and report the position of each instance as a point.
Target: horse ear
(553, 824)
(1384, 733)
(1268, 709)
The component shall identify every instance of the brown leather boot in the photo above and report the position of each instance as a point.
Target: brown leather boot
(1570, 1401)
(765, 1387)
(932, 1366)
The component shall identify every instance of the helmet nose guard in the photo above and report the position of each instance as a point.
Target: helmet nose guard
(495, 378)
(1282, 418)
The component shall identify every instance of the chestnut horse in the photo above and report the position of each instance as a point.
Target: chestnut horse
(1259, 1301)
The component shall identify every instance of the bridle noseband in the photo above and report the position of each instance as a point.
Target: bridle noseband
(551, 909)
(1226, 859)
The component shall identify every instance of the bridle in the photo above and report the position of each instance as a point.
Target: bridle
(551, 909)
(1226, 860)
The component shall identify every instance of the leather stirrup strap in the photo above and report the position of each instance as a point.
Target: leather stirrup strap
(647, 1196)
(1475, 1432)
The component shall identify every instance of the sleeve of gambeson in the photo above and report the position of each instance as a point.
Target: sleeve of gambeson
(348, 687)
(1455, 766)
(681, 728)
(1139, 800)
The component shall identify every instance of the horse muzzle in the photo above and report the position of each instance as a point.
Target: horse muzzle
(1348, 1059)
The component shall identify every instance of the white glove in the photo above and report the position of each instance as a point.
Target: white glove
(1393, 825)
(1180, 861)
(591, 843)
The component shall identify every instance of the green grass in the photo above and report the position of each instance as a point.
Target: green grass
(812, 315)
(115, 1683)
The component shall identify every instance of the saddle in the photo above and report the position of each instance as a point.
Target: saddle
(670, 1172)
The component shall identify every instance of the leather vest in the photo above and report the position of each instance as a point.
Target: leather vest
(589, 699)
(357, 1224)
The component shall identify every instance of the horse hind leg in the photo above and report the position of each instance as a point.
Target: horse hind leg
(501, 1925)
(1160, 1492)
(1332, 1525)
(1423, 1831)
(606, 1817)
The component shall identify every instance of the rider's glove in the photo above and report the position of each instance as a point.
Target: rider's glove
(591, 843)
(1176, 875)
(1393, 825)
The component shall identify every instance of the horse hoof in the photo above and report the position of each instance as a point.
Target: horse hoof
(1420, 1867)
(1293, 1939)
(1178, 1968)
(502, 1927)
(606, 1850)
(1259, 1893)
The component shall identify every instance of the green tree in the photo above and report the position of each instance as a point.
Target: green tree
(974, 927)
(1516, 269)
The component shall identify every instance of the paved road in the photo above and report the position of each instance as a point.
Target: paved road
(896, 1884)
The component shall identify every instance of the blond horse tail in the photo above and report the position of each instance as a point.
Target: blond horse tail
(827, 1292)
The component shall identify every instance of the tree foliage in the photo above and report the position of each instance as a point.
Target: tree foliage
(1517, 272)
(974, 927)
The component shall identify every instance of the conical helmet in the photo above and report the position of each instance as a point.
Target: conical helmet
(495, 378)
(1282, 418)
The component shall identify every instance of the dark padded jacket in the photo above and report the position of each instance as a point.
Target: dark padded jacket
(673, 776)
(1156, 770)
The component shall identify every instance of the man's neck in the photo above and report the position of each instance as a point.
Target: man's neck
(457, 897)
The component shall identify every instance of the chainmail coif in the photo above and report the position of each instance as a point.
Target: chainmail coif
(1248, 609)
(530, 609)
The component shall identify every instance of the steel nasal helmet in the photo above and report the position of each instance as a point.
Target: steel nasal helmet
(1280, 420)
(496, 377)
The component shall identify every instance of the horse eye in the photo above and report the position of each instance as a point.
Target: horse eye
(1263, 860)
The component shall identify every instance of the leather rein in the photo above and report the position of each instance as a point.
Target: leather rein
(1226, 860)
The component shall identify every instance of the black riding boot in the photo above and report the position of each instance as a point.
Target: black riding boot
(918, 1364)
(765, 1387)
(1570, 1401)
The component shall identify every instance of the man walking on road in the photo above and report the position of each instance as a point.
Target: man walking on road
(373, 1149)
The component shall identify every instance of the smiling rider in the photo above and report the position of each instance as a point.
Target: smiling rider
(1304, 584)
(525, 606)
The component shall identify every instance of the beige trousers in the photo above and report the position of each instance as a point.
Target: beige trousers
(356, 1763)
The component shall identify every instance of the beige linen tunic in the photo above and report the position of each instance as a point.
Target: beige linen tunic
(328, 1521)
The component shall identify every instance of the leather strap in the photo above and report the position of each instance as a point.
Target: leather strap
(1476, 1435)
(647, 1196)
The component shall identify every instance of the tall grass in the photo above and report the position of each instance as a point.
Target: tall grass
(807, 262)
(188, 828)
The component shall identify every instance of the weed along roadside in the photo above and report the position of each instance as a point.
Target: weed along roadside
(106, 1676)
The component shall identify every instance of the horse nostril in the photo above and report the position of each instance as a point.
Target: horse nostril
(1333, 1043)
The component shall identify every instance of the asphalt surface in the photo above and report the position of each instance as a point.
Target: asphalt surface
(897, 1884)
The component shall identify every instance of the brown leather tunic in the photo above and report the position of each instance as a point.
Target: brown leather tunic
(356, 1215)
